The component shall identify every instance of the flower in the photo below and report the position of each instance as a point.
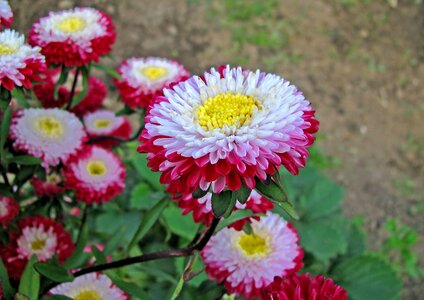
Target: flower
(246, 263)
(90, 286)
(143, 79)
(9, 209)
(37, 235)
(226, 129)
(106, 123)
(73, 37)
(303, 287)
(93, 100)
(95, 174)
(50, 134)
(20, 63)
(49, 188)
(6, 14)
(202, 207)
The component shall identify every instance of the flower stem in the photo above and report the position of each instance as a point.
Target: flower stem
(74, 85)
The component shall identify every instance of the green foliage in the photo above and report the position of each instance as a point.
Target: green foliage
(29, 285)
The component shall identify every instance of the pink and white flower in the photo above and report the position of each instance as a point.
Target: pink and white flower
(247, 263)
(6, 14)
(90, 286)
(50, 134)
(9, 209)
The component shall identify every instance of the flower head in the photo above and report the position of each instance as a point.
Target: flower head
(246, 263)
(93, 100)
(143, 79)
(202, 207)
(106, 123)
(6, 14)
(226, 129)
(38, 236)
(50, 134)
(95, 174)
(20, 63)
(48, 188)
(73, 37)
(303, 287)
(9, 209)
(93, 286)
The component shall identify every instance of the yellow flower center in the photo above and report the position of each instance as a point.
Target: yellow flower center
(252, 244)
(71, 24)
(226, 109)
(88, 295)
(96, 168)
(154, 73)
(6, 49)
(38, 245)
(49, 126)
(102, 123)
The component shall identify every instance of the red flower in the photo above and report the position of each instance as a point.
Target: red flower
(37, 235)
(303, 287)
(46, 188)
(9, 209)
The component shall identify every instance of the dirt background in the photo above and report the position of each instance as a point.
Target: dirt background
(360, 62)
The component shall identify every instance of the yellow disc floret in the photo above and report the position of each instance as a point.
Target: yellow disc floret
(88, 295)
(154, 73)
(252, 244)
(49, 127)
(96, 168)
(226, 109)
(6, 49)
(38, 245)
(71, 24)
(102, 123)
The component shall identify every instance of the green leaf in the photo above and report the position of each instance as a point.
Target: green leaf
(78, 256)
(199, 193)
(55, 297)
(243, 194)
(236, 216)
(356, 238)
(288, 208)
(109, 71)
(26, 160)
(149, 219)
(141, 197)
(8, 291)
(324, 239)
(19, 95)
(368, 277)
(53, 272)
(221, 203)
(64, 73)
(177, 223)
(116, 240)
(271, 190)
(178, 288)
(5, 124)
(99, 255)
(30, 280)
(152, 178)
(78, 98)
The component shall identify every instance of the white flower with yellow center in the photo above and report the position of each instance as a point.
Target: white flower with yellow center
(248, 262)
(102, 122)
(90, 287)
(39, 241)
(16, 57)
(50, 134)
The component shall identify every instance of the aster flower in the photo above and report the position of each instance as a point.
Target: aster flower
(93, 100)
(106, 123)
(73, 37)
(38, 236)
(20, 63)
(90, 286)
(6, 14)
(50, 134)
(227, 128)
(95, 174)
(9, 209)
(49, 188)
(303, 287)
(202, 207)
(246, 263)
(143, 79)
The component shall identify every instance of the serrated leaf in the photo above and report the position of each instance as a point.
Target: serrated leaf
(8, 291)
(53, 272)
(30, 280)
(368, 277)
(177, 223)
(148, 220)
(221, 203)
